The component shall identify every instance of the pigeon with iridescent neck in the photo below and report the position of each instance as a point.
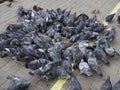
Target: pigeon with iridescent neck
(110, 51)
(100, 54)
(93, 63)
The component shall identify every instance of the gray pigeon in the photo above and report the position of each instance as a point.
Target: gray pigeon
(67, 65)
(110, 33)
(75, 85)
(107, 85)
(42, 70)
(100, 54)
(93, 63)
(117, 85)
(19, 83)
(62, 73)
(110, 51)
(85, 68)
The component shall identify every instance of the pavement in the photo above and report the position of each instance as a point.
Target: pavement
(10, 67)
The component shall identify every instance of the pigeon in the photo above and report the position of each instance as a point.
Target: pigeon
(118, 19)
(62, 45)
(42, 40)
(42, 70)
(67, 65)
(19, 83)
(51, 32)
(100, 54)
(35, 64)
(110, 33)
(74, 38)
(21, 11)
(110, 17)
(67, 54)
(36, 8)
(77, 56)
(85, 68)
(110, 51)
(75, 85)
(107, 85)
(57, 37)
(83, 17)
(50, 75)
(117, 85)
(62, 73)
(93, 63)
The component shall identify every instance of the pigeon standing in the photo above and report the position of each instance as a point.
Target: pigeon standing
(57, 37)
(75, 84)
(36, 8)
(19, 83)
(67, 65)
(110, 33)
(93, 63)
(85, 69)
(100, 54)
(107, 84)
(110, 51)
(109, 18)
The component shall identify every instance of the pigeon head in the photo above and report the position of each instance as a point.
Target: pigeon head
(90, 54)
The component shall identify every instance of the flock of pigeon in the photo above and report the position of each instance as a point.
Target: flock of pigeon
(52, 42)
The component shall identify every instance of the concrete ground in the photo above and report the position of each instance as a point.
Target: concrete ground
(9, 67)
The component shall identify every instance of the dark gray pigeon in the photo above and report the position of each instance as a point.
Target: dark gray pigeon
(117, 85)
(110, 33)
(67, 65)
(100, 54)
(109, 18)
(62, 73)
(19, 83)
(107, 85)
(36, 8)
(21, 11)
(42, 70)
(75, 85)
